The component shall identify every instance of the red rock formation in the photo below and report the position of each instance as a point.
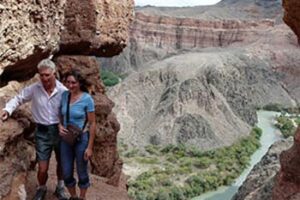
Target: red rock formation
(96, 27)
(287, 185)
(291, 15)
(185, 33)
(34, 30)
(29, 32)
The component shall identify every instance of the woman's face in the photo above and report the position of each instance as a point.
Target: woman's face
(72, 84)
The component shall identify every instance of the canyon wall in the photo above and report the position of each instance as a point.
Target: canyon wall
(155, 37)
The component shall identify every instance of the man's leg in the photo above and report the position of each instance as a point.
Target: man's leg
(59, 191)
(42, 175)
(43, 153)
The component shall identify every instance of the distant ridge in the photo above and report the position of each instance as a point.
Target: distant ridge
(226, 9)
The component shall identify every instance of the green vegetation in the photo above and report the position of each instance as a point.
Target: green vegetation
(280, 108)
(109, 78)
(287, 124)
(181, 172)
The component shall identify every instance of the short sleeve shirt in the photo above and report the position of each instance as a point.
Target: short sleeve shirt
(78, 109)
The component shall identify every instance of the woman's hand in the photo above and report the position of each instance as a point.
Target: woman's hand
(62, 130)
(88, 153)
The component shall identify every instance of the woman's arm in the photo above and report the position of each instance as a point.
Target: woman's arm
(92, 130)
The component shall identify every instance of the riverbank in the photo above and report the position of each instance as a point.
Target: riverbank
(176, 172)
(266, 121)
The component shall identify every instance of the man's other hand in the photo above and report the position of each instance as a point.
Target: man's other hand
(4, 115)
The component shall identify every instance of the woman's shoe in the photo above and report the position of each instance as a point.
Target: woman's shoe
(40, 193)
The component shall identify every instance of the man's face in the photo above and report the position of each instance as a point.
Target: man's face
(47, 76)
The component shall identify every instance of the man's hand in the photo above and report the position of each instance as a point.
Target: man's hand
(4, 115)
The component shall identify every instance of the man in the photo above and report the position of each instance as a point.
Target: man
(45, 96)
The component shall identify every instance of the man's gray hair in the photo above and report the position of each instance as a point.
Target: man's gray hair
(47, 63)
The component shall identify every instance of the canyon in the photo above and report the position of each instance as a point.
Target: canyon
(196, 75)
(188, 68)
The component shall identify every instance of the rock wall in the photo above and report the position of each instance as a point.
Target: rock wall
(96, 27)
(155, 37)
(287, 183)
(33, 30)
(291, 15)
(30, 31)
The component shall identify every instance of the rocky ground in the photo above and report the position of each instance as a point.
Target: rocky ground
(99, 190)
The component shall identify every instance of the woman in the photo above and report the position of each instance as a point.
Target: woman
(81, 108)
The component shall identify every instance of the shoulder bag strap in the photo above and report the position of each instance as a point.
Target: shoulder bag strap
(68, 112)
(86, 119)
(68, 108)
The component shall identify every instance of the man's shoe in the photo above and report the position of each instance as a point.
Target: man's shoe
(40, 194)
(60, 193)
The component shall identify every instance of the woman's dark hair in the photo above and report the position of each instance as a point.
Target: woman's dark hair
(78, 77)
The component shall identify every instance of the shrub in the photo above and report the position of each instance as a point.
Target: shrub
(286, 126)
(274, 107)
(109, 78)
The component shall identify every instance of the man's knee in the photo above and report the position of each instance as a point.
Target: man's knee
(43, 166)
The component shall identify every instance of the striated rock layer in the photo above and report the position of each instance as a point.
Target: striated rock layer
(157, 37)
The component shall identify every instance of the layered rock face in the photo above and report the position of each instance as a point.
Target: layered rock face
(32, 31)
(169, 33)
(157, 37)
